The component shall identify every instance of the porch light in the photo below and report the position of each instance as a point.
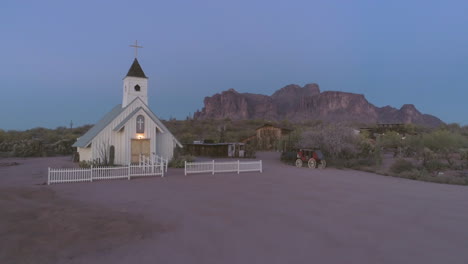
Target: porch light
(140, 136)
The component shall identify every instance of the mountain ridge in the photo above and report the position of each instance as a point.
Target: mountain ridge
(297, 103)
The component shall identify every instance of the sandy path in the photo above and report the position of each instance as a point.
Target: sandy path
(284, 215)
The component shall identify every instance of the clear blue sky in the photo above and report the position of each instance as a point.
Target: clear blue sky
(65, 60)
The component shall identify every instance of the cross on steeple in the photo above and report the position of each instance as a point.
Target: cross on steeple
(136, 48)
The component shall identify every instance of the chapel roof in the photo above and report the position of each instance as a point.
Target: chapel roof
(136, 70)
(88, 137)
(84, 140)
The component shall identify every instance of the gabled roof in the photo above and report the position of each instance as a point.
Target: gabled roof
(136, 70)
(153, 117)
(85, 140)
(134, 112)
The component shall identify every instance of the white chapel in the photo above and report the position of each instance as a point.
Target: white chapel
(129, 129)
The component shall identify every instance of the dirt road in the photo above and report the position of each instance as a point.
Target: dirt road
(283, 215)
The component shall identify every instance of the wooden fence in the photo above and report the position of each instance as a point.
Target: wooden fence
(103, 173)
(214, 167)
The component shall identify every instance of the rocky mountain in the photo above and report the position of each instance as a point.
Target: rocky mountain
(297, 103)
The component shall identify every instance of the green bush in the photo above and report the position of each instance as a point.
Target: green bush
(413, 174)
(288, 156)
(434, 165)
(360, 164)
(179, 162)
(401, 165)
(95, 163)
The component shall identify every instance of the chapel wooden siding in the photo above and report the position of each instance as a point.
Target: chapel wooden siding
(121, 139)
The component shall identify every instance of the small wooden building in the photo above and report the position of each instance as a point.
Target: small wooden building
(382, 128)
(230, 150)
(270, 137)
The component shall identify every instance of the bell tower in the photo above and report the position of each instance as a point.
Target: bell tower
(135, 84)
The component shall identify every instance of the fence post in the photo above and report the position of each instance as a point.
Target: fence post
(213, 167)
(261, 167)
(91, 173)
(129, 167)
(48, 177)
(162, 169)
(238, 166)
(185, 167)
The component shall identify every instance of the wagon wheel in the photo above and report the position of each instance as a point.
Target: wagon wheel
(322, 164)
(298, 163)
(312, 163)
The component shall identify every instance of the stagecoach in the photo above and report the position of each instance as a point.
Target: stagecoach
(313, 158)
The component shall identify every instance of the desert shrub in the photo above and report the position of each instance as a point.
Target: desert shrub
(337, 163)
(413, 174)
(76, 156)
(354, 163)
(38, 142)
(360, 164)
(335, 141)
(444, 143)
(434, 165)
(464, 158)
(391, 140)
(413, 146)
(288, 156)
(87, 164)
(179, 162)
(250, 151)
(401, 165)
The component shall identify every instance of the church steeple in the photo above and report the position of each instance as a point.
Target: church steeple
(135, 84)
(136, 70)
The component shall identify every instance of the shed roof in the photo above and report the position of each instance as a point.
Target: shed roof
(275, 126)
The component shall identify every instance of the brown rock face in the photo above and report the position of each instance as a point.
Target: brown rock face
(297, 103)
(237, 106)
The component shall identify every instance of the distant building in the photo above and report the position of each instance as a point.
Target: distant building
(270, 137)
(231, 150)
(382, 128)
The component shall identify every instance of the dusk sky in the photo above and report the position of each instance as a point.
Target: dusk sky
(65, 60)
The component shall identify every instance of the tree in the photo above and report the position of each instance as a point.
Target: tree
(335, 140)
(445, 143)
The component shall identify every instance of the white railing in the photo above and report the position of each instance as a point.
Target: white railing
(214, 167)
(103, 173)
(153, 159)
(146, 170)
(109, 173)
(69, 175)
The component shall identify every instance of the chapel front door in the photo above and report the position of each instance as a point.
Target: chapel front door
(140, 146)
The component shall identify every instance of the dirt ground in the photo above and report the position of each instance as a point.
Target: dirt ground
(283, 215)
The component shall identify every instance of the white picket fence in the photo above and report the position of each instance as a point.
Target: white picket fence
(153, 159)
(214, 167)
(64, 175)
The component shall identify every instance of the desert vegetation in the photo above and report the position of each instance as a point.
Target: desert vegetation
(39, 142)
(437, 155)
